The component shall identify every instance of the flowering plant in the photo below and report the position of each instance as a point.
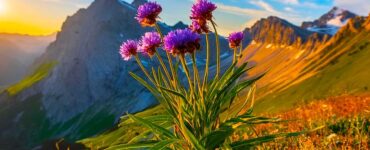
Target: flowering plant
(199, 115)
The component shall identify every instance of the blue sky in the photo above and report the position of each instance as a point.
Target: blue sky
(231, 15)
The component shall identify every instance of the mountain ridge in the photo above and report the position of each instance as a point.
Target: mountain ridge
(330, 22)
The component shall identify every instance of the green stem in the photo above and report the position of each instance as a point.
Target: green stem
(218, 50)
(234, 57)
(143, 69)
(205, 79)
(186, 69)
(163, 66)
(196, 74)
(168, 57)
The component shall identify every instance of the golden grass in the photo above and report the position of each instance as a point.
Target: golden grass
(346, 120)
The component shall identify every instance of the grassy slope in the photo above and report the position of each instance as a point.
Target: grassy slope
(347, 74)
(122, 134)
(41, 72)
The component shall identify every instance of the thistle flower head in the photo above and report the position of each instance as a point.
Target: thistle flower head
(147, 13)
(149, 42)
(181, 41)
(235, 39)
(199, 26)
(202, 10)
(128, 49)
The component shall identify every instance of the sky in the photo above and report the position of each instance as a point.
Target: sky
(42, 17)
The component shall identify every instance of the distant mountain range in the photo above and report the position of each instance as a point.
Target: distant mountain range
(17, 52)
(81, 87)
(330, 22)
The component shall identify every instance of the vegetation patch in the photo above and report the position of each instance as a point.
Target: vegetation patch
(125, 131)
(40, 73)
(349, 75)
(346, 121)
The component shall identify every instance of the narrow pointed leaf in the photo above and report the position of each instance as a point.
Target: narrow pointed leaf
(155, 128)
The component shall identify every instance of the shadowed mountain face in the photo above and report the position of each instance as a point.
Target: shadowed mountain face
(17, 53)
(89, 88)
(330, 22)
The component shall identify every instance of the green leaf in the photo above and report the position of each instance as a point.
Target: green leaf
(145, 133)
(176, 93)
(216, 138)
(164, 144)
(144, 83)
(155, 128)
(133, 146)
(193, 139)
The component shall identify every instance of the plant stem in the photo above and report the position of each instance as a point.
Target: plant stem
(217, 49)
(205, 79)
(168, 57)
(186, 69)
(163, 65)
(196, 74)
(234, 57)
(143, 69)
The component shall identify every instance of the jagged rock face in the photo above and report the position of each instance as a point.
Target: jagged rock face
(274, 30)
(89, 67)
(330, 22)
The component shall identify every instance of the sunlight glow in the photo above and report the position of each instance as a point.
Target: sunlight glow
(2, 7)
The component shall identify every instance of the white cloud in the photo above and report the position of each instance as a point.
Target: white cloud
(263, 5)
(256, 15)
(361, 7)
(241, 11)
(293, 2)
(289, 9)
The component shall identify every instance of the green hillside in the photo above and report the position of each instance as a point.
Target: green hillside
(125, 131)
(348, 74)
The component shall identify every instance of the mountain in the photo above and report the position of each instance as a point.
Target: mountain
(280, 48)
(340, 68)
(17, 53)
(80, 86)
(330, 22)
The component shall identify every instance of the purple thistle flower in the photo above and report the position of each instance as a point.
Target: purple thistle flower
(149, 42)
(202, 10)
(235, 39)
(128, 49)
(199, 28)
(147, 13)
(181, 41)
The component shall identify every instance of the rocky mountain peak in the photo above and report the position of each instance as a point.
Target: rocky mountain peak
(275, 30)
(180, 25)
(330, 22)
